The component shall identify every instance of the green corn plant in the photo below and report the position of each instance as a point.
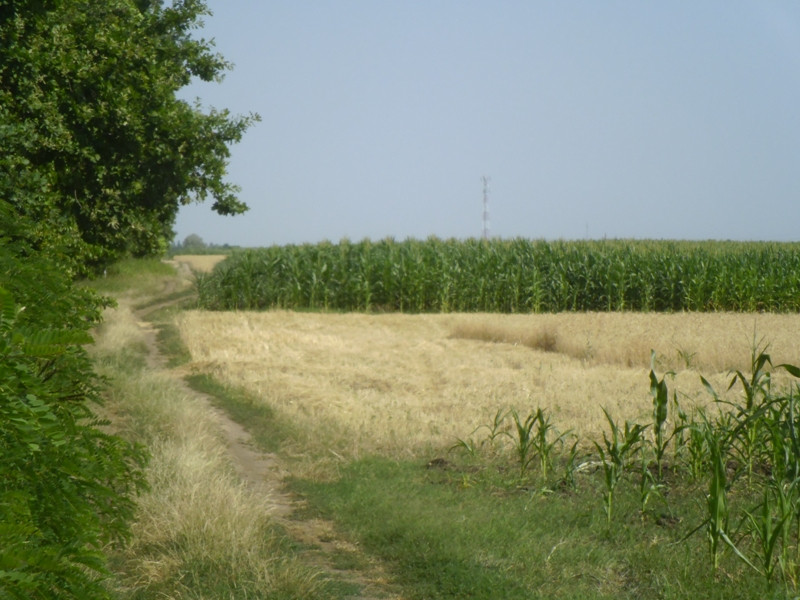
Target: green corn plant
(524, 441)
(716, 523)
(749, 415)
(495, 428)
(473, 275)
(660, 393)
(780, 441)
(696, 449)
(689, 442)
(782, 449)
(545, 440)
(767, 528)
(497, 425)
(794, 397)
(679, 437)
(570, 466)
(532, 438)
(786, 478)
(649, 485)
(467, 445)
(615, 456)
(716, 500)
(790, 438)
(776, 446)
(787, 494)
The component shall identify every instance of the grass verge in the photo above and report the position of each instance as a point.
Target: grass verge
(199, 531)
(144, 277)
(169, 340)
(453, 534)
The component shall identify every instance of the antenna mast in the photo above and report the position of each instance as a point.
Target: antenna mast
(486, 181)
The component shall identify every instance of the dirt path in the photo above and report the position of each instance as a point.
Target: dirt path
(266, 473)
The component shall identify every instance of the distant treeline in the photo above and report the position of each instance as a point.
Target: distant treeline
(507, 276)
(194, 244)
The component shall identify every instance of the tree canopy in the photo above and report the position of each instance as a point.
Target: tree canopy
(97, 148)
(97, 155)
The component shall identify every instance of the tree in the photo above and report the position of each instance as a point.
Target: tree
(97, 156)
(98, 149)
(193, 241)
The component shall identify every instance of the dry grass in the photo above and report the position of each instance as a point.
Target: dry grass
(199, 526)
(410, 384)
(203, 263)
(710, 342)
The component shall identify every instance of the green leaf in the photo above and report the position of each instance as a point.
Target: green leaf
(792, 369)
(709, 387)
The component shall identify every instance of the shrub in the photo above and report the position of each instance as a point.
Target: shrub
(66, 486)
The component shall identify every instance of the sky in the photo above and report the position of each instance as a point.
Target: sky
(592, 119)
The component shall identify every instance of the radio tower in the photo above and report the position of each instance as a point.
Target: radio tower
(486, 181)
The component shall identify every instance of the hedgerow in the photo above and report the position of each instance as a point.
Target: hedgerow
(67, 487)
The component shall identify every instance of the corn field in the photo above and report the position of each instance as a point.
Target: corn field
(509, 276)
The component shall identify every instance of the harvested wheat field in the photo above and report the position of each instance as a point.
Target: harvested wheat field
(411, 384)
(204, 263)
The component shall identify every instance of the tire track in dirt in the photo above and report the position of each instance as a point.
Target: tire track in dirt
(265, 473)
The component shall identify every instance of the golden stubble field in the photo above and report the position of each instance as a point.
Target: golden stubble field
(203, 263)
(409, 385)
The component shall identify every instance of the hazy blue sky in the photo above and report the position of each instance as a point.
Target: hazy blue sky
(593, 118)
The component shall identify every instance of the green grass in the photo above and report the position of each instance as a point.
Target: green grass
(475, 525)
(184, 298)
(443, 539)
(169, 340)
(144, 275)
(261, 421)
